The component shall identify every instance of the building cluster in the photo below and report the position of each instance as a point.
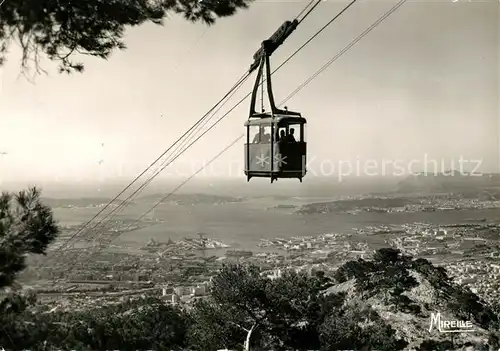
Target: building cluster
(177, 266)
(309, 269)
(483, 278)
(333, 241)
(470, 252)
(419, 239)
(184, 294)
(395, 204)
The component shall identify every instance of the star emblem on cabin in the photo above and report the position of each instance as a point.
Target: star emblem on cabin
(262, 160)
(280, 160)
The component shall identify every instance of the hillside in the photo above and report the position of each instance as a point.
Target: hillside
(384, 303)
(474, 198)
(447, 182)
(405, 292)
(78, 202)
(177, 199)
(341, 206)
(190, 199)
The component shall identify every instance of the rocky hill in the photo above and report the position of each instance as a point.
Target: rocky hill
(83, 202)
(405, 292)
(384, 303)
(341, 206)
(191, 199)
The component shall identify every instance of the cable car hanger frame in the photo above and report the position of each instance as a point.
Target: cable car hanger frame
(261, 59)
(267, 159)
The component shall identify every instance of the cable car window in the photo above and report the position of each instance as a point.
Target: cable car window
(280, 133)
(254, 134)
(294, 132)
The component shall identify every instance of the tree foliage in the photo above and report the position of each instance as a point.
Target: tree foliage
(342, 330)
(435, 345)
(27, 226)
(61, 28)
(293, 312)
(143, 324)
(213, 327)
(387, 274)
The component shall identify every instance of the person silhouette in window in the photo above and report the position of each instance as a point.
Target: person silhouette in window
(282, 136)
(282, 148)
(291, 137)
(259, 137)
(266, 138)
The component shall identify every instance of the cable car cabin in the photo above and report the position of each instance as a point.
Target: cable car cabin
(276, 145)
(283, 137)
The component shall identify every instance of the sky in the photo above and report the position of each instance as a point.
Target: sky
(421, 88)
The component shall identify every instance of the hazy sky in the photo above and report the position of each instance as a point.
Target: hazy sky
(424, 82)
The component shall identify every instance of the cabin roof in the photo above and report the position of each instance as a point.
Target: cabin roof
(279, 119)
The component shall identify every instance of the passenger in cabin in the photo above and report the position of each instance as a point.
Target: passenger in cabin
(282, 148)
(279, 139)
(266, 138)
(258, 138)
(291, 138)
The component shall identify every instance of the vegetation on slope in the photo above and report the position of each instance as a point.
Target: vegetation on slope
(381, 304)
(27, 227)
(407, 290)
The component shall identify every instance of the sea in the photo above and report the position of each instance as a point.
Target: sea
(243, 224)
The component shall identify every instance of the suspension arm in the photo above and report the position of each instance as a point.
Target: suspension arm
(273, 42)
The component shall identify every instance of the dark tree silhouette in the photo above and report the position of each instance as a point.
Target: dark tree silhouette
(62, 28)
(214, 326)
(353, 269)
(342, 330)
(430, 344)
(389, 256)
(143, 324)
(295, 311)
(27, 226)
(247, 308)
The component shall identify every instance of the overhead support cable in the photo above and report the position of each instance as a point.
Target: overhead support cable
(316, 74)
(239, 82)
